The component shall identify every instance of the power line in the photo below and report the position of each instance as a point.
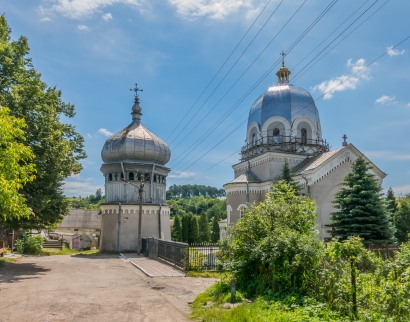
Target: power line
(230, 55)
(293, 45)
(314, 100)
(217, 86)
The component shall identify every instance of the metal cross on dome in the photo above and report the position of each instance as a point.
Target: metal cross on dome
(283, 57)
(136, 89)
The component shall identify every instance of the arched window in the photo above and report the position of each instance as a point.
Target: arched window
(110, 177)
(304, 136)
(241, 210)
(276, 134)
(254, 139)
(122, 175)
(131, 176)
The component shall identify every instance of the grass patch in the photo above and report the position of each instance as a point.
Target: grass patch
(206, 274)
(67, 251)
(7, 260)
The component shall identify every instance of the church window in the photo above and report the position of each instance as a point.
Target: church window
(122, 175)
(304, 136)
(155, 178)
(131, 176)
(110, 177)
(276, 134)
(253, 139)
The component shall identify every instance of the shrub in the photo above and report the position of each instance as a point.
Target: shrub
(30, 245)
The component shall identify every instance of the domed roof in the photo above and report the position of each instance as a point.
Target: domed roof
(135, 143)
(283, 99)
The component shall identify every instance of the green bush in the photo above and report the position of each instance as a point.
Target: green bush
(30, 245)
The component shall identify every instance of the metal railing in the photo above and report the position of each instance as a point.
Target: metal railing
(204, 257)
(174, 252)
(283, 143)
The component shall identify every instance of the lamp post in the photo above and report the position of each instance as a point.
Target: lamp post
(140, 191)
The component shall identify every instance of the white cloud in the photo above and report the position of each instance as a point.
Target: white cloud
(45, 19)
(104, 132)
(77, 9)
(89, 135)
(79, 187)
(385, 99)
(387, 155)
(394, 52)
(401, 190)
(344, 82)
(180, 174)
(83, 28)
(215, 9)
(107, 16)
(408, 105)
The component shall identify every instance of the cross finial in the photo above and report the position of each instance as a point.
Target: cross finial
(344, 137)
(283, 57)
(136, 90)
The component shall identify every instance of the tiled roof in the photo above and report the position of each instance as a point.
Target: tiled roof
(248, 176)
(312, 163)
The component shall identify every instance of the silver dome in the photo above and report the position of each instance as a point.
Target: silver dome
(135, 143)
(284, 100)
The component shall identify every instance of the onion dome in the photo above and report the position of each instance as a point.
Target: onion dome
(285, 100)
(135, 143)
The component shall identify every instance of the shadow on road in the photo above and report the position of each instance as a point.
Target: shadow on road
(15, 272)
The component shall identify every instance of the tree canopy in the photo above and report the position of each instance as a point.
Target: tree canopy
(361, 208)
(57, 146)
(16, 167)
(186, 191)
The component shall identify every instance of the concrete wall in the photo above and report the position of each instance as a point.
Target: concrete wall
(151, 220)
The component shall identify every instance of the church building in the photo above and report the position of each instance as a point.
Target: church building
(284, 124)
(134, 159)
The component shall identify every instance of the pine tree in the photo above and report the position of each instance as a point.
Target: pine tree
(204, 232)
(402, 221)
(215, 229)
(185, 225)
(287, 174)
(193, 236)
(177, 229)
(391, 201)
(362, 210)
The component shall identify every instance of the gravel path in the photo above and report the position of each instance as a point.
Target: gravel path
(92, 288)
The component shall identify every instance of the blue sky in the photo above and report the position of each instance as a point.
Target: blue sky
(96, 50)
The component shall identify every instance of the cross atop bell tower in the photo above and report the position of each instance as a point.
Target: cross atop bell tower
(283, 73)
(136, 90)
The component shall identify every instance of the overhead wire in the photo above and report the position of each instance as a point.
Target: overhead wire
(223, 65)
(304, 33)
(227, 73)
(314, 100)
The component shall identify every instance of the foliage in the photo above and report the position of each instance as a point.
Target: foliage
(287, 175)
(391, 201)
(16, 167)
(176, 234)
(361, 210)
(204, 231)
(205, 274)
(67, 251)
(29, 244)
(89, 202)
(193, 235)
(402, 221)
(215, 229)
(273, 249)
(187, 191)
(57, 147)
(196, 205)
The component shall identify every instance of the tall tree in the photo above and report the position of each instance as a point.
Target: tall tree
(215, 229)
(391, 201)
(204, 232)
(287, 175)
(186, 226)
(57, 147)
(177, 229)
(362, 210)
(402, 221)
(193, 236)
(16, 167)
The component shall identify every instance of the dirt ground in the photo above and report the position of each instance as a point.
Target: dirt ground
(92, 288)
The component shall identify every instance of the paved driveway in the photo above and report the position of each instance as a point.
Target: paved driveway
(91, 288)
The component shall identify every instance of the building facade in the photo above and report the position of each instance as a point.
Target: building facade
(284, 124)
(134, 158)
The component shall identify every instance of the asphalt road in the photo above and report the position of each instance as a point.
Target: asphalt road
(92, 288)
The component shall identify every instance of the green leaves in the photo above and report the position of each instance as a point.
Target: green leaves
(57, 147)
(16, 167)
